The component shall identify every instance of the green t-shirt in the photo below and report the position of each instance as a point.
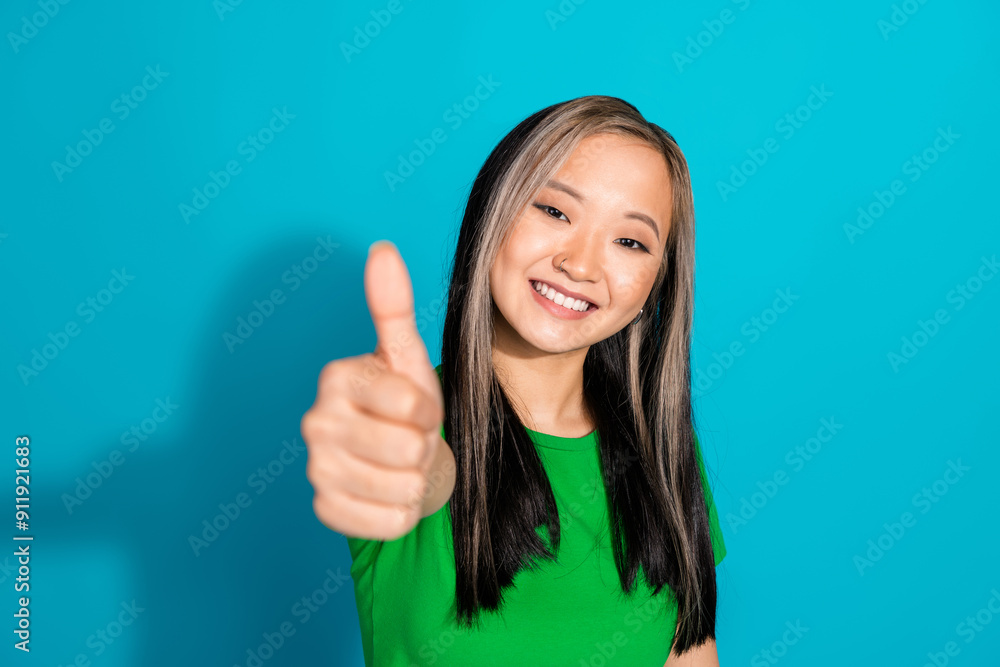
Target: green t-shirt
(569, 612)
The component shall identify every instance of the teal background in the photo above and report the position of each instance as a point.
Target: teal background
(791, 555)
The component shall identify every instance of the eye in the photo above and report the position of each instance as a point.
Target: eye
(559, 215)
(637, 246)
(548, 211)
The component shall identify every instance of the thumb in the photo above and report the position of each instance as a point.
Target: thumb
(389, 293)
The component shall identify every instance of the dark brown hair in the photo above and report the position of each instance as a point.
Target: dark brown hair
(636, 387)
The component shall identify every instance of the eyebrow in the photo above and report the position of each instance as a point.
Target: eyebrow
(642, 217)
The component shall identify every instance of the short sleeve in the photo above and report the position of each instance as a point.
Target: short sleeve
(364, 553)
(715, 532)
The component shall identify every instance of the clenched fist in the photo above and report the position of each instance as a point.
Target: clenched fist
(373, 433)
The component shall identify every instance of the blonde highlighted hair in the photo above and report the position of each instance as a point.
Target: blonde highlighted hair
(636, 388)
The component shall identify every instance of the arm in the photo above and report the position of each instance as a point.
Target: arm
(702, 656)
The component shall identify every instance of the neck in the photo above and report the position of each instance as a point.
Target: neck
(544, 388)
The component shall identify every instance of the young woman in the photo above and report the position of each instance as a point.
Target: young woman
(538, 498)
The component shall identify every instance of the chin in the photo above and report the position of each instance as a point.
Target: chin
(558, 343)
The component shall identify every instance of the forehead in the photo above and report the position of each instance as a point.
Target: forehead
(621, 171)
(606, 145)
(611, 152)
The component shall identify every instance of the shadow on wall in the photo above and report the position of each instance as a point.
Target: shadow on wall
(259, 581)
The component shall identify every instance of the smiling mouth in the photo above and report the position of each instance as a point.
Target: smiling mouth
(554, 295)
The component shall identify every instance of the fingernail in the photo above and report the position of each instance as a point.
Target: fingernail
(377, 243)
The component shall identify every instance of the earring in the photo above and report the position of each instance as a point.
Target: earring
(637, 317)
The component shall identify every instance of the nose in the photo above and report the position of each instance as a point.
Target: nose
(580, 258)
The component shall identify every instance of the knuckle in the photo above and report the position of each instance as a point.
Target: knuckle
(397, 520)
(323, 470)
(325, 509)
(307, 426)
(335, 428)
(375, 484)
(315, 473)
(331, 374)
(410, 403)
(408, 517)
(415, 486)
(341, 376)
(413, 449)
(363, 486)
(316, 427)
(315, 470)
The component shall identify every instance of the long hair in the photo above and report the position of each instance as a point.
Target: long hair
(636, 389)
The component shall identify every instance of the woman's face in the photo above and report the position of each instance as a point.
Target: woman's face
(607, 214)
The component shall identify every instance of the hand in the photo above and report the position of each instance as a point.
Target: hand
(373, 433)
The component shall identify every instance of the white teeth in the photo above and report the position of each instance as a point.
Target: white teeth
(554, 295)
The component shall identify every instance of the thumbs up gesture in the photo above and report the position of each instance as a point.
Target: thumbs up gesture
(373, 434)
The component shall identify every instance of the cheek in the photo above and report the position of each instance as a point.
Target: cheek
(630, 287)
(526, 241)
(496, 274)
(501, 276)
(522, 250)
